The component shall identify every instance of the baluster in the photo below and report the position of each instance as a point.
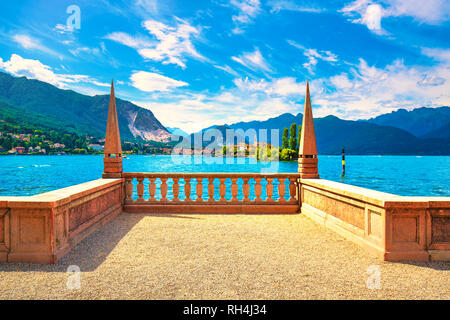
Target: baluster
(269, 189)
(234, 189)
(222, 189)
(129, 189)
(152, 189)
(211, 189)
(187, 189)
(258, 189)
(163, 189)
(175, 189)
(246, 189)
(199, 189)
(293, 188)
(140, 189)
(281, 189)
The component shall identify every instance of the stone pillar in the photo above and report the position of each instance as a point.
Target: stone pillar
(307, 155)
(112, 162)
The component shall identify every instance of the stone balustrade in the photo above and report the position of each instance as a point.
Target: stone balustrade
(395, 228)
(211, 192)
(44, 227)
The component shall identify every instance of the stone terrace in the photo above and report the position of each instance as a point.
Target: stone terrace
(178, 256)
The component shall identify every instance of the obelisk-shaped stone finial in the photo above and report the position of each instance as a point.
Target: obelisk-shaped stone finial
(112, 166)
(307, 154)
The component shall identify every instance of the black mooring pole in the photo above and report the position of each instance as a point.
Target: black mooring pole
(343, 162)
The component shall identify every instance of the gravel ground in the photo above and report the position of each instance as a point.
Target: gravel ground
(173, 256)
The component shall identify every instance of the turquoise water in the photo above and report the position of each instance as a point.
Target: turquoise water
(402, 175)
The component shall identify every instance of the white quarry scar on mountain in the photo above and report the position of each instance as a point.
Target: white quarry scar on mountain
(154, 135)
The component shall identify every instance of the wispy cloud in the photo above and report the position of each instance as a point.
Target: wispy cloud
(253, 60)
(371, 13)
(430, 11)
(149, 82)
(314, 55)
(85, 50)
(227, 69)
(63, 29)
(130, 41)
(150, 6)
(247, 11)
(30, 43)
(366, 91)
(247, 100)
(438, 54)
(287, 5)
(284, 87)
(362, 91)
(171, 44)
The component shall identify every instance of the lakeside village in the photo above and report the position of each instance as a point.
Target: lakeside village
(16, 140)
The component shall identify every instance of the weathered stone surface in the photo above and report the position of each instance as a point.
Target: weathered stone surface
(393, 227)
(440, 229)
(307, 153)
(112, 139)
(38, 226)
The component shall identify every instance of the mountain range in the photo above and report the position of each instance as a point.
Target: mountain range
(421, 122)
(40, 102)
(405, 134)
(419, 131)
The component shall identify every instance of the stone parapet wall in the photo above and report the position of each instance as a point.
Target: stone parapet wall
(43, 228)
(393, 227)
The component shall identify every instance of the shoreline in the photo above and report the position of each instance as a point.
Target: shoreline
(199, 155)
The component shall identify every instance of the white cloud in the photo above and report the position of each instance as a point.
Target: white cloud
(253, 60)
(248, 100)
(34, 69)
(248, 10)
(370, 13)
(86, 50)
(63, 29)
(129, 41)
(30, 43)
(366, 91)
(372, 17)
(441, 55)
(149, 82)
(314, 55)
(171, 45)
(431, 80)
(151, 6)
(227, 69)
(429, 11)
(174, 42)
(197, 112)
(285, 5)
(283, 87)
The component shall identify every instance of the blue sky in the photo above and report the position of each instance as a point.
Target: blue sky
(203, 62)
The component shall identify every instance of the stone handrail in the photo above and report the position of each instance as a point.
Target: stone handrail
(44, 227)
(196, 192)
(391, 226)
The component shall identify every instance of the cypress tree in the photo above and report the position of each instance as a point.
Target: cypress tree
(299, 137)
(284, 141)
(293, 137)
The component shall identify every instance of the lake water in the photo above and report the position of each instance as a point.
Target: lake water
(402, 175)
